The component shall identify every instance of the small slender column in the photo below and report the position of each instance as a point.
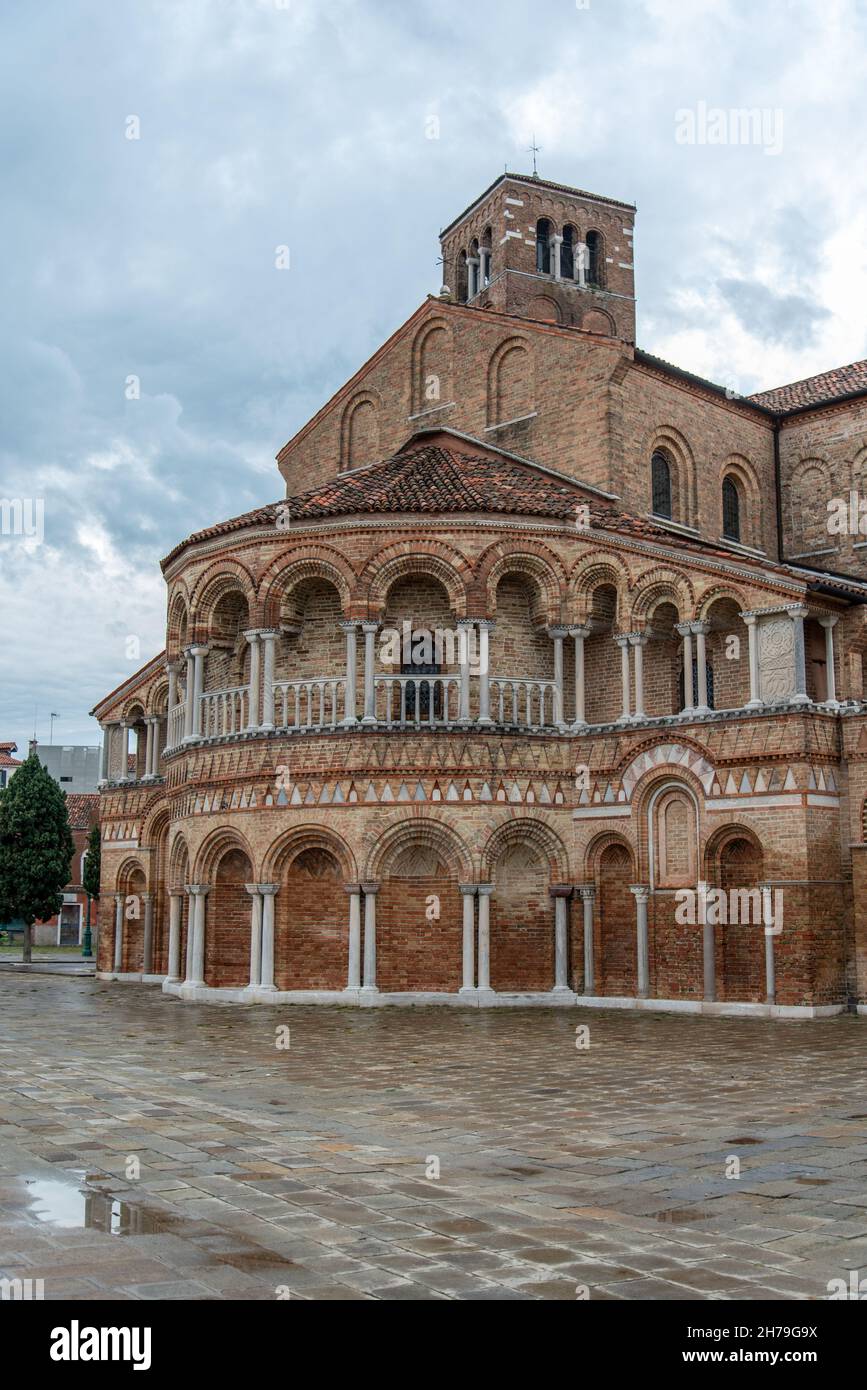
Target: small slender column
(103, 760)
(268, 891)
(148, 943)
(199, 654)
(370, 631)
(755, 701)
(555, 244)
(465, 632)
(350, 629)
(370, 891)
(561, 893)
(622, 641)
(125, 774)
(149, 749)
(472, 277)
(269, 639)
(174, 963)
(191, 917)
(484, 891)
(685, 630)
(797, 615)
(468, 892)
(189, 694)
(582, 258)
(172, 669)
(638, 641)
(200, 892)
(118, 933)
(354, 976)
(588, 894)
(770, 967)
(484, 266)
(642, 894)
(828, 622)
(557, 634)
(253, 639)
(701, 630)
(708, 947)
(486, 627)
(255, 935)
(579, 634)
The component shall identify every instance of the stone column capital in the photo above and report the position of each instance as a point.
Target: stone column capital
(749, 619)
(198, 890)
(560, 890)
(621, 638)
(252, 889)
(118, 899)
(146, 897)
(685, 629)
(586, 890)
(370, 625)
(828, 619)
(639, 639)
(198, 649)
(252, 634)
(579, 630)
(700, 629)
(352, 888)
(349, 624)
(484, 889)
(268, 889)
(468, 889)
(641, 891)
(370, 890)
(797, 610)
(557, 632)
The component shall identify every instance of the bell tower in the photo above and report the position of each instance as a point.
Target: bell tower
(545, 251)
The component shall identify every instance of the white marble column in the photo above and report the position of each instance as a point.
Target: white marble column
(199, 893)
(642, 896)
(269, 638)
(148, 942)
(557, 634)
(353, 981)
(579, 634)
(798, 613)
(350, 629)
(370, 891)
(370, 630)
(200, 651)
(125, 774)
(685, 630)
(104, 755)
(472, 277)
(638, 641)
(561, 893)
(708, 947)
(465, 633)
(172, 669)
(582, 259)
(755, 701)
(468, 954)
(588, 894)
(253, 639)
(173, 974)
(555, 244)
(189, 694)
(191, 917)
(486, 627)
(828, 620)
(484, 891)
(268, 891)
(118, 933)
(255, 935)
(770, 968)
(484, 266)
(622, 640)
(700, 631)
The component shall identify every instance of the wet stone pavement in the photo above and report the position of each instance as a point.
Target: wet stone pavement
(308, 1172)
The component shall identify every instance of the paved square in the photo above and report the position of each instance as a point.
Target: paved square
(306, 1171)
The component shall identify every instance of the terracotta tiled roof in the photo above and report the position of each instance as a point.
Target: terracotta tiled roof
(814, 390)
(7, 761)
(83, 809)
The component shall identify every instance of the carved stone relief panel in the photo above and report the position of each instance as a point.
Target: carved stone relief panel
(777, 657)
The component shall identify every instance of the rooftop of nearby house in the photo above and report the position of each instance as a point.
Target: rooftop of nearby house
(815, 390)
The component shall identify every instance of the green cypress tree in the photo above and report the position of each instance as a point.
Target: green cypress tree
(90, 879)
(36, 848)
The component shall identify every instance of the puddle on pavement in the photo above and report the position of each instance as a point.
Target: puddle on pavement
(73, 1208)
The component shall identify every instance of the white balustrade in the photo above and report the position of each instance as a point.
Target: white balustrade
(419, 699)
(175, 726)
(224, 711)
(317, 703)
(523, 703)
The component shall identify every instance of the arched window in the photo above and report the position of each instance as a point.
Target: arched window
(567, 253)
(594, 258)
(462, 278)
(543, 246)
(660, 479)
(731, 505)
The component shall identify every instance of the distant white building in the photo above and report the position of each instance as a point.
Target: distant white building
(74, 766)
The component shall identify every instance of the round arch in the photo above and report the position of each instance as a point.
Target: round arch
(409, 559)
(295, 841)
(419, 831)
(212, 849)
(527, 831)
(287, 571)
(225, 577)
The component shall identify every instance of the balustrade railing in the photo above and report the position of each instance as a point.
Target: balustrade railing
(517, 702)
(175, 727)
(309, 704)
(418, 700)
(225, 711)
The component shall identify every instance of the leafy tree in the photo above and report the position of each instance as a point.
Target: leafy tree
(36, 848)
(90, 878)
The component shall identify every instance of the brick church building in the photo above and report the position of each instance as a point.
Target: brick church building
(549, 646)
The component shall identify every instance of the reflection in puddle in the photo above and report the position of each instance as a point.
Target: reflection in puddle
(62, 1205)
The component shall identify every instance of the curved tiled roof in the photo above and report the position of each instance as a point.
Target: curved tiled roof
(815, 390)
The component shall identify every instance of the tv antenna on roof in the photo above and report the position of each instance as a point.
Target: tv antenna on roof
(534, 150)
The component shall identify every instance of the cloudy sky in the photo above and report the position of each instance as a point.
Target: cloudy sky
(306, 123)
